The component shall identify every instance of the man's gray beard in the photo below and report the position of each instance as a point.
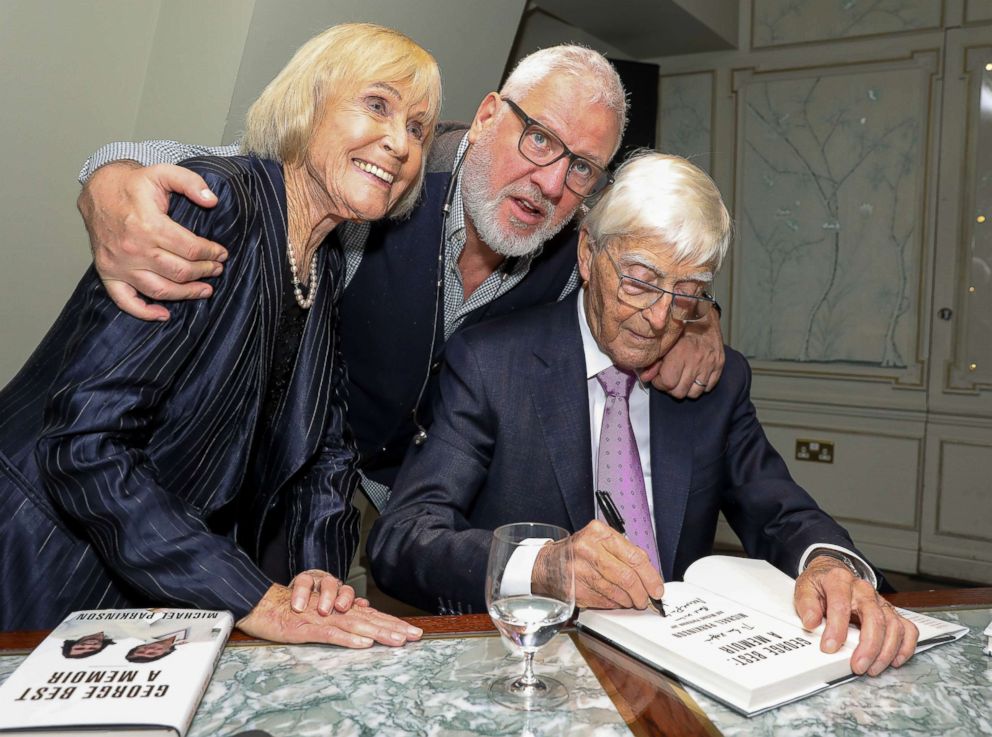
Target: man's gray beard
(482, 206)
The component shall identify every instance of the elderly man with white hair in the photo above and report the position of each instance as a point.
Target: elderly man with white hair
(537, 410)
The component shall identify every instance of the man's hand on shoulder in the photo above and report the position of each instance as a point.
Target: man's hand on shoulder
(273, 618)
(610, 571)
(694, 364)
(827, 588)
(137, 249)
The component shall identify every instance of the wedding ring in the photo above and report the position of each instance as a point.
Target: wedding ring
(697, 382)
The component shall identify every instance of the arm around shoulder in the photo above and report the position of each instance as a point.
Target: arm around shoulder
(147, 153)
(137, 248)
(693, 365)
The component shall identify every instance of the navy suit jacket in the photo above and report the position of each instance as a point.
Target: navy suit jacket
(510, 443)
(128, 449)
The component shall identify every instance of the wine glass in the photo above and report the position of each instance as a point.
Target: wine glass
(527, 619)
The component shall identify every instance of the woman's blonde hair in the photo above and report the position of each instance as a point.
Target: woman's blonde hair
(281, 121)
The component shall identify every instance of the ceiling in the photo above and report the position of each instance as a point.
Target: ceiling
(651, 28)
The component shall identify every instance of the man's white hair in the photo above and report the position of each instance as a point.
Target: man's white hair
(663, 197)
(600, 83)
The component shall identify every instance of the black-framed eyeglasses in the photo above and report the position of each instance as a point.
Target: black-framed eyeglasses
(643, 295)
(542, 147)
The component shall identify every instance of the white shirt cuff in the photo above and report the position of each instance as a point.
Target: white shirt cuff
(864, 569)
(517, 574)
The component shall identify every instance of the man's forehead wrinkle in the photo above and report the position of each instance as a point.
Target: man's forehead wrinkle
(628, 258)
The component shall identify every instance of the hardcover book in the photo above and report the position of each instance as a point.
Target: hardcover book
(732, 633)
(123, 672)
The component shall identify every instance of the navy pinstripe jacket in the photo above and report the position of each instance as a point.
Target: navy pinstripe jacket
(124, 443)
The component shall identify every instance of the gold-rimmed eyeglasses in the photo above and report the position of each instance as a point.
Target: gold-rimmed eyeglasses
(685, 306)
(542, 147)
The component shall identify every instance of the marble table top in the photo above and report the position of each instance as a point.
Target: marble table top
(944, 691)
(438, 687)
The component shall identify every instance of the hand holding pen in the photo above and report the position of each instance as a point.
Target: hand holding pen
(614, 519)
(610, 571)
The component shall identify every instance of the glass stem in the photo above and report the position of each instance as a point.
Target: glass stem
(528, 678)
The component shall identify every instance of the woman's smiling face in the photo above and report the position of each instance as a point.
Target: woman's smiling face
(367, 148)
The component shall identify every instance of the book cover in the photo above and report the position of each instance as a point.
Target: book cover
(120, 672)
(732, 633)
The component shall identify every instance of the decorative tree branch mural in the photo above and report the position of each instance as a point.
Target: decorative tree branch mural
(793, 21)
(685, 112)
(831, 170)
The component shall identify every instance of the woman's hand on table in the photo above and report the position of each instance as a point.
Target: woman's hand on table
(273, 618)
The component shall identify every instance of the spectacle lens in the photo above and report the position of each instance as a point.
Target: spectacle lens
(685, 306)
(540, 146)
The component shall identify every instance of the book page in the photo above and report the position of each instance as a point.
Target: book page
(754, 583)
(737, 654)
(760, 585)
(732, 632)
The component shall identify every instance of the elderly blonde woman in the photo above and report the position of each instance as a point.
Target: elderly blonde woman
(204, 461)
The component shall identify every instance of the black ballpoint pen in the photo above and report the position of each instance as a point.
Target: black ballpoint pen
(615, 520)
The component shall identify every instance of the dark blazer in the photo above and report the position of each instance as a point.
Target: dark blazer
(135, 467)
(390, 339)
(510, 443)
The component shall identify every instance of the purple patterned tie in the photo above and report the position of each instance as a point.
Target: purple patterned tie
(620, 464)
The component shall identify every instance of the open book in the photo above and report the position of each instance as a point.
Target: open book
(121, 672)
(744, 646)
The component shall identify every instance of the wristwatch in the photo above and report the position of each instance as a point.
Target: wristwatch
(848, 562)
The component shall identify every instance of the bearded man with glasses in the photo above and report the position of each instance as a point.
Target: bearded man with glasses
(539, 411)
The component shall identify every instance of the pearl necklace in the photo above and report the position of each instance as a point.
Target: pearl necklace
(304, 303)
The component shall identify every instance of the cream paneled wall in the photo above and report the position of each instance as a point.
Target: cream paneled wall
(51, 116)
(848, 146)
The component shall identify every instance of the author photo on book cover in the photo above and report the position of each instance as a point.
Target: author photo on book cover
(205, 461)
(161, 645)
(85, 646)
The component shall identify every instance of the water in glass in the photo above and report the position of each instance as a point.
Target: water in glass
(529, 620)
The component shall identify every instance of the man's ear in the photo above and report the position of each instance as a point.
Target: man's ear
(484, 116)
(585, 255)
